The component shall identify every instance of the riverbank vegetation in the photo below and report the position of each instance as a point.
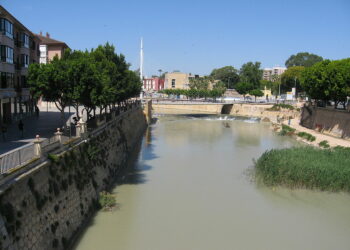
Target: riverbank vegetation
(306, 167)
(278, 107)
(307, 136)
(107, 201)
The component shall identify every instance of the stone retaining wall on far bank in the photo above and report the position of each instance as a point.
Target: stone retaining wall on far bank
(327, 121)
(45, 208)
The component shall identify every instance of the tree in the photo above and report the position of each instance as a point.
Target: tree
(251, 73)
(256, 92)
(200, 83)
(99, 78)
(328, 80)
(228, 75)
(243, 88)
(51, 82)
(291, 78)
(304, 59)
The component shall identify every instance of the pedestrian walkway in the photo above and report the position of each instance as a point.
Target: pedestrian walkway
(45, 125)
(332, 141)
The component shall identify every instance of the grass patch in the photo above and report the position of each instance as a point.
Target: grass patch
(107, 201)
(324, 144)
(278, 107)
(306, 167)
(286, 130)
(307, 136)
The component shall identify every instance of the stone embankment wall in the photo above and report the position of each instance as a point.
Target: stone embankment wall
(45, 208)
(262, 111)
(327, 121)
(187, 108)
(248, 110)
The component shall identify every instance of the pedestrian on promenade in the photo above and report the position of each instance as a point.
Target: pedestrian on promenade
(21, 127)
(37, 111)
(3, 132)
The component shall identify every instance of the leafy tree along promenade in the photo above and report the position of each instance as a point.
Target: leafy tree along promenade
(99, 78)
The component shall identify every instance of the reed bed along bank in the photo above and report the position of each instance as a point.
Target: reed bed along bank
(306, 167)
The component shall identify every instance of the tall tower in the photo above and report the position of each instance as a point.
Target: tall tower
(141, 60)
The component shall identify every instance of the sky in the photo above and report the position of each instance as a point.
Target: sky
(194, 36)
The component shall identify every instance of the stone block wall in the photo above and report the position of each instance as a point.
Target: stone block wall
(328, 121)
(45, 208)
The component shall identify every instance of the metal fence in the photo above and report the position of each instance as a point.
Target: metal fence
(16, 158)
(26, 153)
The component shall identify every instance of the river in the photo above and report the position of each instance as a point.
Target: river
(191, 189)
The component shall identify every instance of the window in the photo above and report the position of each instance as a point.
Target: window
(25, 40)
(6, 27)
(7, 80)
(6, 54)
(24, 60)
(173, 83)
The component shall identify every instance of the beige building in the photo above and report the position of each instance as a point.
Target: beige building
(178, 80)
(49, 48)
(269, 72)
(19, 47)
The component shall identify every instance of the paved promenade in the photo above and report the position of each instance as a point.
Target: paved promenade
(333, 141)
(45, 125)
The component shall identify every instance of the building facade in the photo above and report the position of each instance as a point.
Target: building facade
(153, 84)
(269, 72)
(19, 47)
(49, 48)
(178, 80)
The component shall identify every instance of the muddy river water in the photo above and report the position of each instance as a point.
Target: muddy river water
(190, 188)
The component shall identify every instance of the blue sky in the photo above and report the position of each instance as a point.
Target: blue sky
(195, 36)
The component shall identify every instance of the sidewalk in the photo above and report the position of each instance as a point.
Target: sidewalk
(333, 141)
(45, 125)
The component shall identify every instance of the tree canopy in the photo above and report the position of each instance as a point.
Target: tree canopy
(228, 75)
(96, 78)
(304, 59)
(251, 73)
(328, 80)
(291, 78)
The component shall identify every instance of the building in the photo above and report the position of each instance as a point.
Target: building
(49, 48)
(153, 84)
(178, 80)
(19, 47)
(269, 72)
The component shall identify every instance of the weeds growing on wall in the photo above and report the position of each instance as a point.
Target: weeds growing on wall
(278, 107)
(309, 167)
(107, 201)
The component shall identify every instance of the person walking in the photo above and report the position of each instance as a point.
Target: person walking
(21, 127)
(37, 110)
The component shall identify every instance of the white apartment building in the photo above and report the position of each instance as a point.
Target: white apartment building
(269, 72)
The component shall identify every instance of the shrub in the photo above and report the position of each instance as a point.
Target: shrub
(53, 158)
(107, 201)
(278, 107)
(286, 130)
(307, 136)
(324, 144)
(309, 167)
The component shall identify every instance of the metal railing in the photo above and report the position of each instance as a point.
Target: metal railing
(16, 158)
(23, 155)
